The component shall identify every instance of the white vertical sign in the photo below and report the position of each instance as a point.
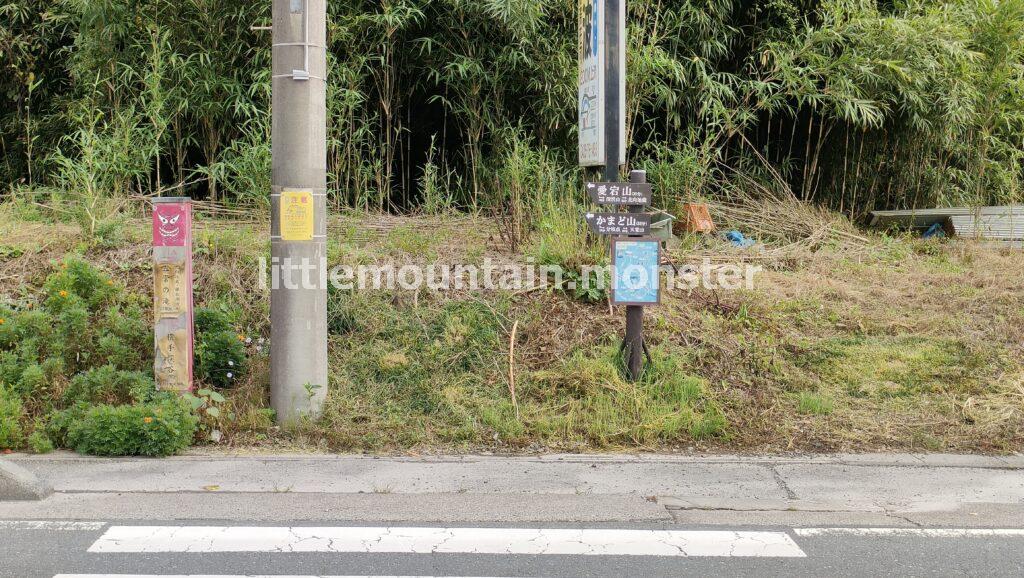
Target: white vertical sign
(593, 72)
(591, 83)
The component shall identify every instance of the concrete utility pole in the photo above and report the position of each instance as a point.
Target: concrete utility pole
(298, 300)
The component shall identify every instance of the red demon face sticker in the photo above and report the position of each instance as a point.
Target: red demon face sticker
(170, 225)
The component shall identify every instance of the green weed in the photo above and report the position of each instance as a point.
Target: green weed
(409, 241)
(11, 414)
(883, 367)
(604, 409)
(814, 404)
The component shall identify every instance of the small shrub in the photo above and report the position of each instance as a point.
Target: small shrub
(157, 429)
(59, 422)
(590, 289)
(33, 378)
(207, 404)
(78, 278)
(40, 443)
(11, 412)
(220, 358)
(21, 375)
(7, 333)
(107, 384)
(209, 320)
(84, 321)
(124, 332)
(220, 353)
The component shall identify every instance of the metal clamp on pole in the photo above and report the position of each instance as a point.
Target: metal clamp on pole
(296, 7)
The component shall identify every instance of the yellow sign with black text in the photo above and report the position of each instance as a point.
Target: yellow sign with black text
(297, 215)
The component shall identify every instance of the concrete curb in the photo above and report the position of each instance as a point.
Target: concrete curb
(17, 483)
(1005, 462)
(741, 505)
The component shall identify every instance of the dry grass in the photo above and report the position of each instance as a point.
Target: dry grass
(919, 343)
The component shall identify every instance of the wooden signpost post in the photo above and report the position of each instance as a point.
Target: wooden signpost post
(636, 258)
(602, 141)
(172, 293)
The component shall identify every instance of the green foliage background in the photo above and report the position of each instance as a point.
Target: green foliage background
(851, 103)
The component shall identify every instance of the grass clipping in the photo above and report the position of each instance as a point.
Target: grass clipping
(774, 215)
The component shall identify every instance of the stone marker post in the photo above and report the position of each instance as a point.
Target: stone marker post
(172, 293)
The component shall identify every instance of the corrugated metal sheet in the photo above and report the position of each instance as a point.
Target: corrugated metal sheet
(924, 218)
(998, 227)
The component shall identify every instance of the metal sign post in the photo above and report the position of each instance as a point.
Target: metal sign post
(172, 293)
(634, 346)
(602, 141)
(298, 298)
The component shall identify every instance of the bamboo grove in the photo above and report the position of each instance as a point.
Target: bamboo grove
(470, 104)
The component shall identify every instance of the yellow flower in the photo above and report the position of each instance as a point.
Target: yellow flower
(110, 281)
(241, 337)
(147, 419)
(63, 293)
(2, 321)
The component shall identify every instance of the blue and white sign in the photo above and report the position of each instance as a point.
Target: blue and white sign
(635, 271)
(593, 49)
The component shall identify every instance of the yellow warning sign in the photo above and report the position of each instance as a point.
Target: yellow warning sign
(296, 215)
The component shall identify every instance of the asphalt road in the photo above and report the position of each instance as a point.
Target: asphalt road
(311, 515)
(232, 548)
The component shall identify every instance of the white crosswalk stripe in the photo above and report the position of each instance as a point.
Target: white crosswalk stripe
(50, 525)
(424, 540)
(219, 576)
(913, 532)
(295, 548)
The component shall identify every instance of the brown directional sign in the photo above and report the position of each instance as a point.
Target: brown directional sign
(620, 193)
(618, 224)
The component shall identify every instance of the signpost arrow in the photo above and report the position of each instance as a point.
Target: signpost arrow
(620, 224)
(620, 193)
